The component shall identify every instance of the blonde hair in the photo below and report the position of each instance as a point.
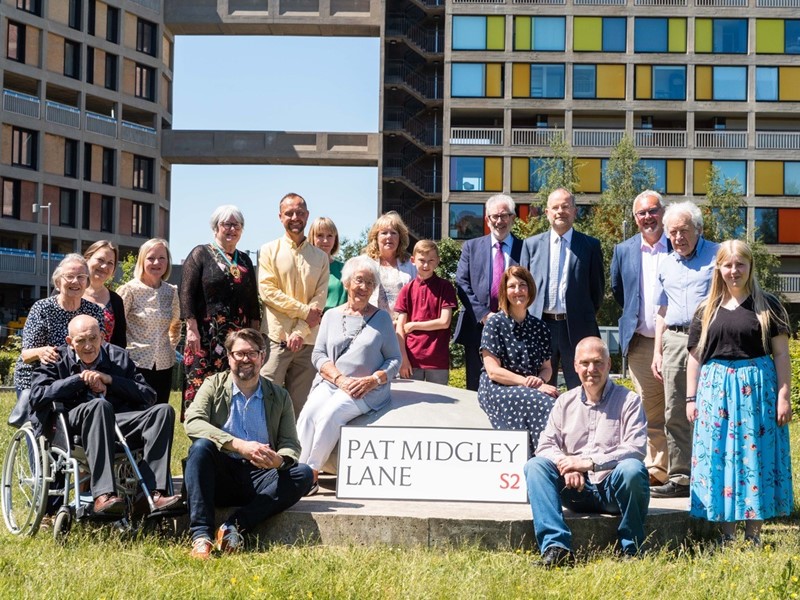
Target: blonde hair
(764, 304)
(425, 246)
(101, 245)
(324, 224)
(390, 220)
(144, 249)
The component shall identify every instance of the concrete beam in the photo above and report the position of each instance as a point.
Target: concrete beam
(199, 147)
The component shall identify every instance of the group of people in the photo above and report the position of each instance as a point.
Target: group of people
(280, 355)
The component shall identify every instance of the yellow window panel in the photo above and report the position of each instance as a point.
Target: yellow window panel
(702, 83)
(677, 35)
(789, 84)
(493, 169)
(769, 36)
(644, 82)
(520, 171)
(589, 175)
(701, 168)
(611, 81)
(703, 35)
(676, 177)
(587, 34)
(522, 33)
(494, 80)
(521, 80)
(769, 178)
(495, 33)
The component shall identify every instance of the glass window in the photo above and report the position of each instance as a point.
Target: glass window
(75, 14)
(468, 80)
(11, 198)
(791, 178)
(68, 207)
(766, 225)
(730, 83)
(733, 169)
(659, 167)
(112, 24)
(669, 83)
(583, 81)
(146, 37)
(87, 161)
(466, 221)
(72, 59)
(466, 174)
(145, 82)
(23, 147)
(767, 84)
(614, 34)
(549, 34)
(111, 71)
(730, 36)
(792, 36)
(142, 219)
(109, 166)
(547, 81)
(32, 6)
(143, 173)
(469, 33)
(650, 35)
(15, 44)
(538, 173)
(70, 158)
(107, 214)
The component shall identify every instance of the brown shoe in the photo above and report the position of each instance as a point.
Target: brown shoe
(160, 503)
(202, 548)
(109, 504)
(654, 481)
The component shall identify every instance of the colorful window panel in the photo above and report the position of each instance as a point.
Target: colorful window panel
(670, 175)
(777, 36)
(727, 169)
(476, 80)
(537, 80)
(660, 82)
(778, 84)
(540, 34)
(598, 82)
(778, 225)
(478, 33)
(599, 34)
(659, 35)
(476, 174)
(720, 36)
(776, 178)
(720, 83)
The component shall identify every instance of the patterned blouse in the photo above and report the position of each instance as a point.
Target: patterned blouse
(154, 327)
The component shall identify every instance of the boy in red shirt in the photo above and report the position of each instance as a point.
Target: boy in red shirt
(424, 309)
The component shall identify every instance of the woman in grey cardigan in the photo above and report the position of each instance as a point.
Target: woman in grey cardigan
(356, 356)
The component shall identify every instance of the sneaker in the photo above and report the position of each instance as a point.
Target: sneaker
(202, 548)
(669, 490)
(314, 489)
(229, 539)
(556, 556)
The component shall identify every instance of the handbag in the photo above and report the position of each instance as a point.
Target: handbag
(20, 414)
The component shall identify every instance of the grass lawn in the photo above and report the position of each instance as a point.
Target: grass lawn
(100, 563)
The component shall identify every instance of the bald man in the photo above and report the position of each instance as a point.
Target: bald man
(99, 385)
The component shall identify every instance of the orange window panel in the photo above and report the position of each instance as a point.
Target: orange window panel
(789, 225)
(520, 181)
(493, 170)
(521, 80)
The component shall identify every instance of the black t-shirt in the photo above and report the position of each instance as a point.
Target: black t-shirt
(735, 334)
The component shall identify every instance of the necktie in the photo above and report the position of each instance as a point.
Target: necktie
(498, 266)
(556, 270)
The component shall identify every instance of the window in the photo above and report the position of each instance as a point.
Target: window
(147, 37)
(23, 147)
(777, 36)
(12, 190)
(767, 84)
(145, 82)
(72, 59)
(721, 36)
(15, 45)
(778, 225)
(86, 210)
(90, 64)
(537, 80)
(590, 175)
(91, 17)
(107, 214)
(112, 62)
(660, 82)
(541, 34)
(68, 207)
(32, 6)
(778, 84)
(598, 81)
(112, 24)
(70, 158)
(527, 174)
(476, 174)
(726, 169)
(599, 34)
(659, 35)
(75, 14)
(109, 165)
(476, 80)
(466, 221)
(143, 173)
(141, 219)
(87, 161)
(670, 175)
(776, 178)
(720, 83)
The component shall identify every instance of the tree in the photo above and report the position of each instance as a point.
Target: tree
(349, 248)
(128, 266)
(449, 253)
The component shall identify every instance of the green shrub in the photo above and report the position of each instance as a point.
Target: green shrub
(794, 354)
(7, 362)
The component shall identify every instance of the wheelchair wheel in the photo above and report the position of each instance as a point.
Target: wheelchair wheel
(25, 483)
(62, 524)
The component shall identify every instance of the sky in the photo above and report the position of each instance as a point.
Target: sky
(272, 83)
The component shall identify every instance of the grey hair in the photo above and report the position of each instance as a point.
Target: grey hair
(59, 270)
(223, 213)
(649, 194)
(687, 208)
(362, 262)
(497, 199)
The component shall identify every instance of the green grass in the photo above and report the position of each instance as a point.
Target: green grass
(99, 563)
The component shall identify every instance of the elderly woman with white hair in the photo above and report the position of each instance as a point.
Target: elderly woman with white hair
(356, 356)
(46, 326)
(218, 294)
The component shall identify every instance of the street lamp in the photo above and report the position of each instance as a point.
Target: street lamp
(36, 209)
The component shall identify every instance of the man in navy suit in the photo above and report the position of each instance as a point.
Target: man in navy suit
(567, 267)
(478, 273)
(634, 267)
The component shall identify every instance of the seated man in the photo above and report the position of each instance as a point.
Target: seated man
(99, 385)
(244, 448)
(590, 459)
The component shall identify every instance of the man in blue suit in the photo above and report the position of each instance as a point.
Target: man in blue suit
(477, 276)
(634, 267)
(567, 267)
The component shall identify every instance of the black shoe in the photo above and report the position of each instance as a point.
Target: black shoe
(670, 490)
(556, 556)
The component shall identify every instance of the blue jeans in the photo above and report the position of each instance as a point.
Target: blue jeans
(625, 491)
(213, 478)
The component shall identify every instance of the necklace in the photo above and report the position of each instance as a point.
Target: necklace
(233, 265)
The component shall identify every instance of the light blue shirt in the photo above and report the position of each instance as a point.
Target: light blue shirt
(247, 419)
(683, 283)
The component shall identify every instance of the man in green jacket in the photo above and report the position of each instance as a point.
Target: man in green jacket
(244, 449)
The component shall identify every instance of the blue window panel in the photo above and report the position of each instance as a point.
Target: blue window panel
(791, 36)
(547, 81)
(468, 80)
(733, 169)
(584, 81)
(549, 34)
(469, 33)
(659, 167)
(791, 178)
(767, 84)
(466, 174)
(538, 174)
(669, 83)
(730, 83)
(614, 34)
(651, 35)
(766, 225)
(730, 36)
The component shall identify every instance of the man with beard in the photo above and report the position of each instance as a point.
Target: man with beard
(245, 450)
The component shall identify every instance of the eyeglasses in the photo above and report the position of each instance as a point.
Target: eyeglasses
(234, 226)
(362, 281)
(74, 278)
(500, 217)
(240, 354)
(652, 212)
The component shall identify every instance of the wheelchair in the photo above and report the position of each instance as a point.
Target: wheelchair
(42, 476)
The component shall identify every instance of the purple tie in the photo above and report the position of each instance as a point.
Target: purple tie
(498, 266)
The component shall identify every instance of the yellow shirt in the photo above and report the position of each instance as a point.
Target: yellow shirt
(291, 279)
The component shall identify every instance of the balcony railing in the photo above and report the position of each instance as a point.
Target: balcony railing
(778, 140)
(659, 138)
(534, 136)
(479, 1)
(22, 104)
(778, 3)
(597, 137)
(101, 124)
(790, 284)
(660, 2)
(55, 112)
(739, 3)
(55, 258)
(17, 261)
(477, 136)
(139, 134)
(600, 2)
(540, 2)
(720, 140)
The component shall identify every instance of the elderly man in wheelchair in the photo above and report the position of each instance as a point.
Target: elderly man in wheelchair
(106, 400)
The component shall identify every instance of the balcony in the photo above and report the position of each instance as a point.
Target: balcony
(476, 136)
(139, 134)
(540, 2)
(790, 284)
(778, 140)
(778, 3)
(600, 2)
(728, 3)
(720, 140)
(55, 112)
(534, 136)
(17, 261)
(598, 138)
(55, 258)
(22, 104)
(659, 138)
(101, 124)
(479, 1)
(660, 2)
